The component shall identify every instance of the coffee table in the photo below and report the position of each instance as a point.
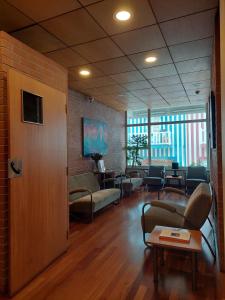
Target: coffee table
(169, 178)
(194, 247)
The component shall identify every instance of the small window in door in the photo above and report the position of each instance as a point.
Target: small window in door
(32, 109)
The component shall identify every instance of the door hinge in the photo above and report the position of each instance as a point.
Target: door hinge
(66, 108)
(67, 171)
(67, 234)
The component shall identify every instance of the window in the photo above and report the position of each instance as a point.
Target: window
(184, 143)
(134, 141)
(175, 135)
(137, 117)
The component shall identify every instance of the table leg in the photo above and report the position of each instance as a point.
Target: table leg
(155, 263)
(194, 269)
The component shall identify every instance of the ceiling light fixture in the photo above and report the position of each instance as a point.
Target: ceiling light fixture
(84, 72)
(123, 15)
(150, 59)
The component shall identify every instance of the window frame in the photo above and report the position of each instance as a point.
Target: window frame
(149, 125)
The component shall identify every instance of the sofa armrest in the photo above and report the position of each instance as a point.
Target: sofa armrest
(81, 190)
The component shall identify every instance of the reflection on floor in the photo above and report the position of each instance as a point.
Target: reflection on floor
(107, 260)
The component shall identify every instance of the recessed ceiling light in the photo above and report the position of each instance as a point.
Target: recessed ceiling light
(150, 59)
(84, 72)
(123, 15)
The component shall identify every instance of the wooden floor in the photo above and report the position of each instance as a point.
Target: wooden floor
(107, 260)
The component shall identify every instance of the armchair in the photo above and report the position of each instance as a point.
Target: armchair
(191, 216)
(155, 178)
(195, 175)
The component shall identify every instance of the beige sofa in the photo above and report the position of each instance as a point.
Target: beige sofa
(86, 197)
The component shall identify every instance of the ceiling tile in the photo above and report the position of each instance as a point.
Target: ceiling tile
(162, 55)
(144, 92)
(189, 28)
(104, 11)
(11, 18)
(180, 103)
(174, 95)
(42, 9)
(67, 57)
(170, 88)
(198, 98)
(139, 40)
(111, 89)
(159, 71)
(166, 10)
(88, 2)
(138, 85)
(194, 65)
(127, 77)
(197, 85)
(156, 82)
(152, 99)
(195, 76)
(38, 39)
(68, 27)
(74, 72)
(202, 92)
(137, 106)
(114, 66)
(99, 50)
(94, 82)
(191, 50)
(178, 99)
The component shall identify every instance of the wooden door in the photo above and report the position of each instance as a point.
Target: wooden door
(38, 198)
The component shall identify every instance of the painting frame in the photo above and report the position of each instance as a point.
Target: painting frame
(94, 137)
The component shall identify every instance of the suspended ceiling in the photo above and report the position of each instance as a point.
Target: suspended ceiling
(84, 33)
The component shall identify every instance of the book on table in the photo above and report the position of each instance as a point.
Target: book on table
(175, 235)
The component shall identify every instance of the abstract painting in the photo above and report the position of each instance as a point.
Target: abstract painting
(95, 137)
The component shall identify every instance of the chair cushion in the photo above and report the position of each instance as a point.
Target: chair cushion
(100, 199)
(159, 216)
(198, 172)
(156, 171)
(198, 206)
(193, 182)
(153, 180)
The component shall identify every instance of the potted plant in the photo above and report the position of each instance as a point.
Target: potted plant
(135, 144)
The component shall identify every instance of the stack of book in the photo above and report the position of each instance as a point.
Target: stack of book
(175, 235)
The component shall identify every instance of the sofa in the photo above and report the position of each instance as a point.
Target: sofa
(86, 197)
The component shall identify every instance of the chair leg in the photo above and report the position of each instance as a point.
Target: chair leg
(209, 246)
(210, 224)
(144, 240)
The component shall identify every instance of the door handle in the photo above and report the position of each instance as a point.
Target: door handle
(15, 170)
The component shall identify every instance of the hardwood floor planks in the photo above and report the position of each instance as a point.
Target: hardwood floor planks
(107, 260)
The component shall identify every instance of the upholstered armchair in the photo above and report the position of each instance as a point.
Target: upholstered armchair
(155, 178)
(195, 175)
(191, 216)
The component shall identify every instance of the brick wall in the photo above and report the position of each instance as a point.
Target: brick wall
(216, 154)
(14, 54)
(78, 107)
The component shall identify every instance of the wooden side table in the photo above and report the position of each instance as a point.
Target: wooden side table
(194, 247)
(104, 175)
(169, 178)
